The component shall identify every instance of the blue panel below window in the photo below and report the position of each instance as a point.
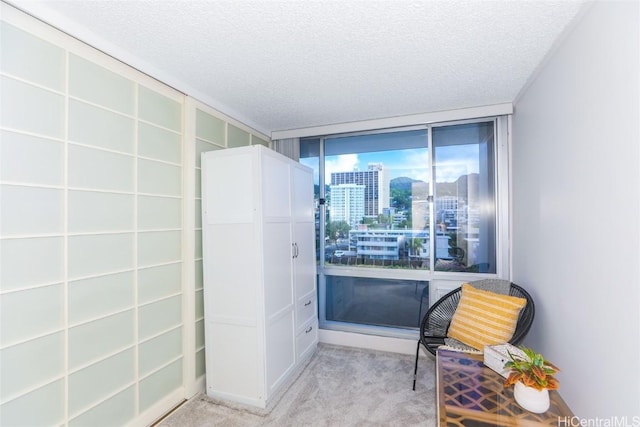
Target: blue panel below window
(378, 302)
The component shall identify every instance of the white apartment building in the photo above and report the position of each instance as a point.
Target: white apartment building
(348, 203)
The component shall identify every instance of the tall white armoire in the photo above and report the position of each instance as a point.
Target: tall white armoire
(261, 323)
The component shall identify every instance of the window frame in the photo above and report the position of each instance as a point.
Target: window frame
(440, 279)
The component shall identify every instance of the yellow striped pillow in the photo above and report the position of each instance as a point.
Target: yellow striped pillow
(484, 317)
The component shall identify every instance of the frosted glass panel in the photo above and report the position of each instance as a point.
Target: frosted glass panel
(200, 334)
(32, 109)
(27, 314)
(94, 255)
(30, 210)
(29, 364)
(159, 143)
(209, 127)
(91, 227)
(159, 178)
(42, 407)
(159, 212)
(98, 296)
(159, 351)
(199, 295)
(158, 385)
(115, 411)
(198, 273)
(20, 255)
(101, 128)
(258, 141)
(158, 247)
(96, 339)
(200, 363)
(198, 192)
(237, 137)
(159, 316)
(198, 244)
(203, 147)
(31, 58)
(44, 157)
(159, 109)
(100, 86)
(158, 282)
(101, 170)
(97, 381)
(198, 213)
(90, 211)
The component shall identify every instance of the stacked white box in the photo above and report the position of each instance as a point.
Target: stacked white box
(495, 356)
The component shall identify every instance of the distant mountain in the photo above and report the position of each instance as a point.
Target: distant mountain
(460, 187)
(402, 183)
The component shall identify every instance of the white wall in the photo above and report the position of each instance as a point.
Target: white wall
(576, 210)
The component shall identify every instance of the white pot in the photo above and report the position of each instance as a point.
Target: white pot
(531, 399)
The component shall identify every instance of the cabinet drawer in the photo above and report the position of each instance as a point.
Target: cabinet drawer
(306, 339)
(305, 310)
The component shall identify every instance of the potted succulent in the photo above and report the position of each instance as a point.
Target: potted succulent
(533, 377)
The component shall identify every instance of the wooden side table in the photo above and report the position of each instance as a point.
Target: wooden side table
(472, 395)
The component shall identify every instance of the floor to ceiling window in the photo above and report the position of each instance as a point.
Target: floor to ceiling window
(395, 210)
(464, 197)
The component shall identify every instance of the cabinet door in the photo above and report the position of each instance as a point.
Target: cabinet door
(302, 189)
(276, 186)
(304, 232)
(305, 260)
(280, 349)
(278, 278)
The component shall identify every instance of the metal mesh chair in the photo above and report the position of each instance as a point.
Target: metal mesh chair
(435, 324)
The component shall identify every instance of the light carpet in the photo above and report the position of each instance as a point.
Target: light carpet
(341, 386)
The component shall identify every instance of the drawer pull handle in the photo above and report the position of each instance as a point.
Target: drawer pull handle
(309, 330)
(307, 303)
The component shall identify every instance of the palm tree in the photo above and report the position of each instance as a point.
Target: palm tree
(416, 246)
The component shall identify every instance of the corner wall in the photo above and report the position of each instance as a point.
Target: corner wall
(576, 210)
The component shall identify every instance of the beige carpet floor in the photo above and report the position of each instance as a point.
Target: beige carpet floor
(341, 386)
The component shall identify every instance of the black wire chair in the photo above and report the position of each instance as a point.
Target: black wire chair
(436, 321)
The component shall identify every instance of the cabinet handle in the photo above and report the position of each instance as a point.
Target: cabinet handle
(307, 303)
(293, 249)
(297, 250)
(309, 330)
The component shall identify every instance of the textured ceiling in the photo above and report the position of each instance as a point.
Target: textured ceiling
(288, 64)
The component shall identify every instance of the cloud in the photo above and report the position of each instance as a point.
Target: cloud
(410, 163)
(341, 163)
(450, 171)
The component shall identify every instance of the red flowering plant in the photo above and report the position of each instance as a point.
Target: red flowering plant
(532, 371)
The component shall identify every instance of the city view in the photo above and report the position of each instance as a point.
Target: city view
(411, 200)
(378, 213)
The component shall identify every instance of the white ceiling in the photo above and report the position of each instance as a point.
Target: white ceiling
(288, 64)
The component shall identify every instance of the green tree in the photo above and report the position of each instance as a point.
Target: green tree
(337, 229)
(368, 221)
(401, 199)
(415, 246)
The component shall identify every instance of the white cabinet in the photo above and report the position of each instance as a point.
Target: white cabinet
(259, 267)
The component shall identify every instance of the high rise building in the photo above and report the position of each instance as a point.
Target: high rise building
(347, 203)
(376, 187)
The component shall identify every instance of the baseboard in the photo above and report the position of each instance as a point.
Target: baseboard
(371, 342)
(160, 409)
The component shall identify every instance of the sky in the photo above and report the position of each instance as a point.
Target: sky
(453, 162)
